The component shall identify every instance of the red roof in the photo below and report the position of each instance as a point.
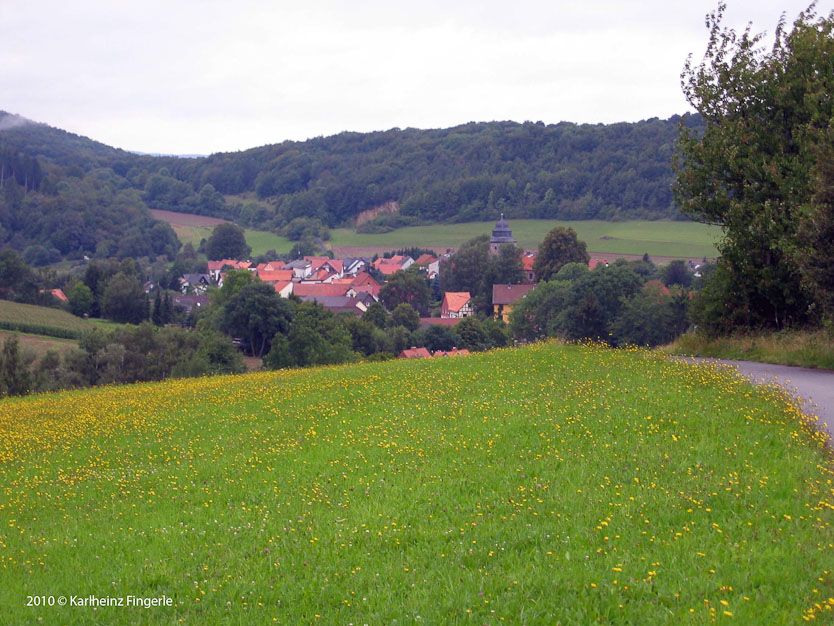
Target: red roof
(439, 321)
(527, 262)
(455, 300)
(270, 267)
(386, 269)
(507, 294)
(320, 289)
(593, 263)
(59, 293)
(280, 285)
(415, 353)
(271, 275)
(452, 352)
(233, 263)
(425, 259)
(657, 287)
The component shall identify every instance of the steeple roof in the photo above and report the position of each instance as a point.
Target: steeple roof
(501, 233)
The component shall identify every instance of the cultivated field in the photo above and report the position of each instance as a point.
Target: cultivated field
(546, 484)
(40, 320)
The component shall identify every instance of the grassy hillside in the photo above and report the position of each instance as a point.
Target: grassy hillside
(658, 238)
(40, 320)
(538, 485)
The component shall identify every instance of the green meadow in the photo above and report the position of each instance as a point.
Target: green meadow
(658, 238)
(542, 485)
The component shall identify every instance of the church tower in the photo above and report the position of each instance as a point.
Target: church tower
(501, 234)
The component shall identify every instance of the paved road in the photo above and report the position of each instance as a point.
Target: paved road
(815, 387)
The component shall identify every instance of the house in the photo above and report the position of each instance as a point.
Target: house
(425, 259)
(528, 258)
(188, 303)
(272, 275)
(322, 290)
(595, 263)
(301, 268)
(194, 283)
(396, 263)
(352, 266)
(414, 353)
(367, 299)
(364, 282)
(215, 267)
(438, 321)
(331, 266)
(283, 288)
(337, 304)
(456, 304)
(504, 298)
(452, 352)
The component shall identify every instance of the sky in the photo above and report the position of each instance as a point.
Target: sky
(198, 77)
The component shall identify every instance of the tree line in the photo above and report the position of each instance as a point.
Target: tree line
(470, 172)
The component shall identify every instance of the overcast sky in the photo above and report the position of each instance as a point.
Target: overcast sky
(196, 77)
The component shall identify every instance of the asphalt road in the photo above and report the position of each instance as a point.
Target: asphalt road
(813, 386)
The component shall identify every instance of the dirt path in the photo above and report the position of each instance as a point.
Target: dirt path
(814, 387)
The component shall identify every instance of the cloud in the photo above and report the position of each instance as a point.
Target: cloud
(198, 77)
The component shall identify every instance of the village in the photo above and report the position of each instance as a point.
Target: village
(352, 285)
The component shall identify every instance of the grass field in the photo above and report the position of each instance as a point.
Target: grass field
(39, 344)
(540, 485)
(40, 320)
(658, 238)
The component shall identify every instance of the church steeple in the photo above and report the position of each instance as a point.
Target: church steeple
(501, 234)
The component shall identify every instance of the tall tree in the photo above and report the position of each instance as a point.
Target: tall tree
(255, 314)
(560, 247)
(124, 300)
(405, 286)
(751, 169)
(227, 241)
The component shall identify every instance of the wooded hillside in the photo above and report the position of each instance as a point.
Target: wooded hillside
(469, 172)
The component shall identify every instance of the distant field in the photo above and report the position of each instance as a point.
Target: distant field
(40, 320)
(539, 485)
(193, 228)
(658, 238)
(39, 344)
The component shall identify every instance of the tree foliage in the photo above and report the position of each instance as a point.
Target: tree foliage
(227, 241)
(255, 314)
(560, 247)
(755, 167)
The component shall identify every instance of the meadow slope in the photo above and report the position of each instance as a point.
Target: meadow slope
(533, 485)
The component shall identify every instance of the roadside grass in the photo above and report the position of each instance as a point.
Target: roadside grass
(791, 347)
(658, 238)
(545, 484)
(40, 320)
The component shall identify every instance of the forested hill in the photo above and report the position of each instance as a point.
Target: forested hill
(465, 173)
